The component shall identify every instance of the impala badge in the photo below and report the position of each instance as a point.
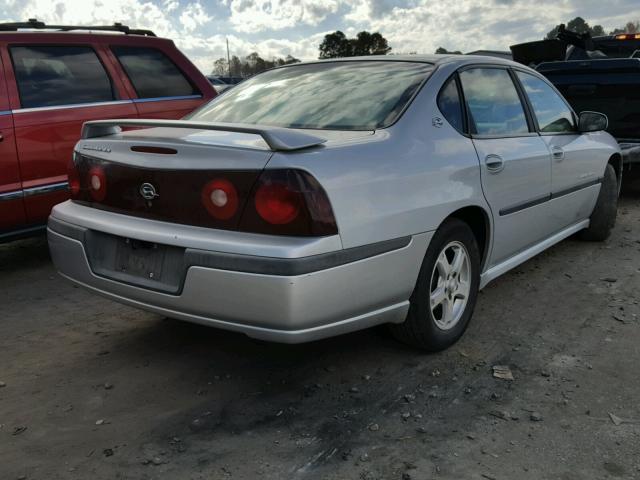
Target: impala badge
(437, 122)
(148, 191)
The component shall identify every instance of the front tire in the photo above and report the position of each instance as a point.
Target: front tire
(603, 218)
(446, 291)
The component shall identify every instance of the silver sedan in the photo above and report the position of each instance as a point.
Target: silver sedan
(320, 198)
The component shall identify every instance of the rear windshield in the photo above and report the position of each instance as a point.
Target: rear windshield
(607, 49)
(353, 95)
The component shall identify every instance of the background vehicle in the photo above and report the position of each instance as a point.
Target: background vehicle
(222, 83)
(600, 74)
(315, 199)
(51, 82)
(230, 80)
(218, 84)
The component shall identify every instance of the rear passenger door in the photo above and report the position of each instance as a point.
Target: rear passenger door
(12, 215)
(515, 163)
(56, 89)
(162, 89)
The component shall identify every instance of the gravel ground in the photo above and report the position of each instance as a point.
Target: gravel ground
(93, 389)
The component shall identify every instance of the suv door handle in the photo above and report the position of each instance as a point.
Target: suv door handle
(557, 153)
(494, 163)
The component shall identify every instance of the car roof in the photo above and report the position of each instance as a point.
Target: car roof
(435, 59)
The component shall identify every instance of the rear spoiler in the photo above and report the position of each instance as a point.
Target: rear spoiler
(277, 138)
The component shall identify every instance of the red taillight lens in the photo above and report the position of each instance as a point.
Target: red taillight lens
(277, 204)
(220, 198)
(288, 202)
(97, 183)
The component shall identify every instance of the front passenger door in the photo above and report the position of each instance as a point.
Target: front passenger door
(515, 163)
(576, 161)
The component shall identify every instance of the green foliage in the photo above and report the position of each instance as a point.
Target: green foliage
(249, 65)
(336, 45)
(442, 50)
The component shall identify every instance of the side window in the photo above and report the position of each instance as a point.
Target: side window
(152, 73)
(550, 109)
(450, 105)
(59, 75)
(493, 102)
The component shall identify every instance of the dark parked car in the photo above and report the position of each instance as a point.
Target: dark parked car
(599, 74)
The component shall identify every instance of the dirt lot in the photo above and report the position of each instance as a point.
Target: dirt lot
(95, 390)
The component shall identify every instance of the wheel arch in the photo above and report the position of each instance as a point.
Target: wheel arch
(616, 162)
(479, 221)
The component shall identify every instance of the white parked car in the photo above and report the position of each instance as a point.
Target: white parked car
(320, 198)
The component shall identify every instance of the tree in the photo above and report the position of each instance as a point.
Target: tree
(337, 45)
(442, 50)
(220, 67)
(369, 44)
(630, 27)
(250, 65)
(578, 25)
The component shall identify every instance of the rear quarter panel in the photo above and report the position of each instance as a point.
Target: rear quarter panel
(402, 180)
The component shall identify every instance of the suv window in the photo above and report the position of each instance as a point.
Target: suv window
(493, 102)
(152, 73)
(59, 75)
(450, 105)
(550, 109)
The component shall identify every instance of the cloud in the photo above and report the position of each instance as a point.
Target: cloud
(296, 27)
(194, 16)
(468, 25)
(260, 15)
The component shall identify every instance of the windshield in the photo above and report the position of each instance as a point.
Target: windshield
(352, 95)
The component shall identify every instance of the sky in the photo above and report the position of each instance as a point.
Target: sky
(297, 27)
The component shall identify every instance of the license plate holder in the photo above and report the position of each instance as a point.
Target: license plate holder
(140, 259)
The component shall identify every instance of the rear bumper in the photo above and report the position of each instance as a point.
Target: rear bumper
(288, 300)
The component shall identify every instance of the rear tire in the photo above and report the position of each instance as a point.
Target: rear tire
(446, 291)
(603, 218)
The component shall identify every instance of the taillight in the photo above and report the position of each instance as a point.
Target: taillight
(288, 202)
(628, 36)
(220, 198)
(97, 183)
(277, 204)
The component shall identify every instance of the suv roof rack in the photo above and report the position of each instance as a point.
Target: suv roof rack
(33, 23)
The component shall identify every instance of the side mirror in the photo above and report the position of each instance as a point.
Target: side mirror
(592, 122)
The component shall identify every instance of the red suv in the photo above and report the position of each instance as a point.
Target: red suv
(55, 79)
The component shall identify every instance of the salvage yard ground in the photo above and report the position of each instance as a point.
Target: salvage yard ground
(95, 390)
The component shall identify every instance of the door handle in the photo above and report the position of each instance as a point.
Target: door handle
(557, 153)
(1, 137)
(494, 163)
